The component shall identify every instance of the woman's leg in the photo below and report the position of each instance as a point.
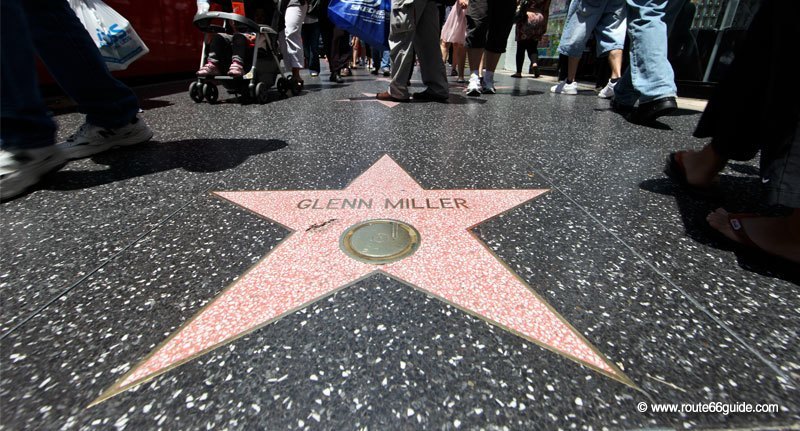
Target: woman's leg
(291, 42)
(443, 47)
(459, 58)
(520, 56)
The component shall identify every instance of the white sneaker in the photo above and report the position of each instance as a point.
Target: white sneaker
(90, 139)
(608, 91)
(488, 85)
(20, 169)
(564, 88)
(474, 87)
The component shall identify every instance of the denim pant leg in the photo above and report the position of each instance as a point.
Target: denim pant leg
(649, 76)
(25, 121)
(386, 60)
(74, 61)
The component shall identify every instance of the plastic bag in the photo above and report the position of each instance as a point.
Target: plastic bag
(367, 19)
(113, 35)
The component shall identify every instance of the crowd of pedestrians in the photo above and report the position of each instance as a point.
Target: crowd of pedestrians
(741, 119)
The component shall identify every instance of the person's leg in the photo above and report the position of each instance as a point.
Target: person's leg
(582, 18)
(218, 57)
(27, 133)
(615, 63)
(459, 58)
(520, 56)
(402, 53)
(777, 236)
(501, 19)
(445, 48)
(241, 55)
(291, 41)
(386, 61)
(651, 73)
(533, 55)
(431, 64)
(74, 61)
(313, 45)
(25, 119)
(477, 29)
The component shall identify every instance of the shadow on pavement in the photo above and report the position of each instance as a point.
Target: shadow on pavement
(194, 155)
(735, 194)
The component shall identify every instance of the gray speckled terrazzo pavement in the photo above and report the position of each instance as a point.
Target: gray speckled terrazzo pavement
(111, 254)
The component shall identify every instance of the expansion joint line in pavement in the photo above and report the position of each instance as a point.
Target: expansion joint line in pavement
(103, 264)
(789, 380)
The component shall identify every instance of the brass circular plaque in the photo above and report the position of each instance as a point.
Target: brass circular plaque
(380, 241)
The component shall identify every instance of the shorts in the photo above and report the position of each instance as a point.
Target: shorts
(606, 18)
(489, 24)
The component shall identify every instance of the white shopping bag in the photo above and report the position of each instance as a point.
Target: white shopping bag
(114, 36)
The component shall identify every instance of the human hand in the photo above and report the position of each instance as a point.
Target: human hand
(463, 3)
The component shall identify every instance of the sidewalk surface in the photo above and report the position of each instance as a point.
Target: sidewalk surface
(585, 285)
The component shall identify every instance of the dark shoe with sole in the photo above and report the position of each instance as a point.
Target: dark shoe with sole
(387, 97)
(621, 109)
(336, 78)
(428, 95)
(649, 112)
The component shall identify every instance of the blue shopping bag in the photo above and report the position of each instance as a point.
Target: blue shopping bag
(366, 19)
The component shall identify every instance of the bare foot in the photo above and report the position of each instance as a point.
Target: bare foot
(702, 166)
(779, 236)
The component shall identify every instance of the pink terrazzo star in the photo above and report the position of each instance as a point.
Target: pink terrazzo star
(450, 264)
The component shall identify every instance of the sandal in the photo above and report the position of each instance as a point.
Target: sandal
(735, 221)
(676, 171)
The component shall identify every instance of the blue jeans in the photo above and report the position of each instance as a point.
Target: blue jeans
(649, 76)
(51, 28)
(380, 56)
(310, 34)
(604, 18)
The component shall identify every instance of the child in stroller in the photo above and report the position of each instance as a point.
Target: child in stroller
(240, 47)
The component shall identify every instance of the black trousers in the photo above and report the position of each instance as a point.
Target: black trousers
(335, 41)
(755, 108)
(531, 46)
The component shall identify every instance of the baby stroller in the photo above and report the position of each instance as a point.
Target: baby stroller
(263, 74)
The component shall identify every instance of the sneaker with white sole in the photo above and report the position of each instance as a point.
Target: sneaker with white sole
(22, 168)
(488, 86)
(563, 88)
(474, 86)
(91, 139)
(608, 91)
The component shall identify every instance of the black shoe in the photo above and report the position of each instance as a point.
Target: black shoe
(373, 72)
(621, 109)
(428, 95)
(336, 78)
(647, 113)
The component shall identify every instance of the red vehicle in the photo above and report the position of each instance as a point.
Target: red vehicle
(166, 28)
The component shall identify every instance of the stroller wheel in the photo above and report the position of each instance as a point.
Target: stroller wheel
(262, 93)
(283, 86)
(210, 92)
(196, 91)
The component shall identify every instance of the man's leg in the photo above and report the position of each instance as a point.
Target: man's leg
(402, 52)
(477, 28)
(27, 132)
(74, 61)
(501, 19)
(581, 20)
(431, 65)
(651, 73)
(25, 119)
(615, 63)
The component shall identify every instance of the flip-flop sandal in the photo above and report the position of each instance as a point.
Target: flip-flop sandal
(676, 171)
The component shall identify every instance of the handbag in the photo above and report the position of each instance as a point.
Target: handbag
(113, 35)
(367, 19)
